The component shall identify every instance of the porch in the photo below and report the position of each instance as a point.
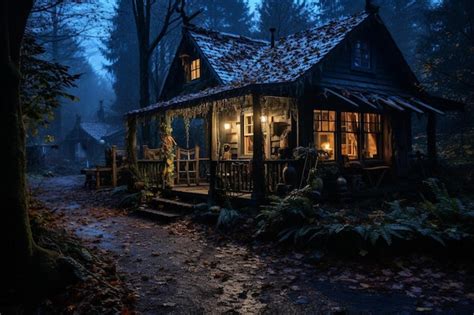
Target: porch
(248, 138)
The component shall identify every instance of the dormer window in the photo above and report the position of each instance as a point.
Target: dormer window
(195, 69)
(361, 57)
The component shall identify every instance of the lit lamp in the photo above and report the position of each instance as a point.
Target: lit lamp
(263, 119)
(326, 146)
(227, 126)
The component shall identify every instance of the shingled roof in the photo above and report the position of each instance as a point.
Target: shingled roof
(240, 61)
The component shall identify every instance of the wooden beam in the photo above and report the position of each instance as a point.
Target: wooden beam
(212, 163)
(388, 102)
(406, 104)
(341, 97)
(258, 172)
(364, 100)
(427, 106)
(114, 165)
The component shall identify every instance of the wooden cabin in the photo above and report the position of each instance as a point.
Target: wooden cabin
(343, 88)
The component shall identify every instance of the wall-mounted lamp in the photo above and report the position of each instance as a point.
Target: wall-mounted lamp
(227, 126)
(263, 119)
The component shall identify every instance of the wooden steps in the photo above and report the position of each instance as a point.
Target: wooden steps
(160, 214)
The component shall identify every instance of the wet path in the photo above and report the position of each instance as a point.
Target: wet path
(175, 269)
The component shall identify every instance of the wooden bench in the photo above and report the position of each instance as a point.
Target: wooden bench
(95, 176)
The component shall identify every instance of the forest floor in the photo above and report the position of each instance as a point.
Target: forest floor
(183, 267)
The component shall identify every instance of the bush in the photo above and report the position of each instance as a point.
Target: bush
(294, 218)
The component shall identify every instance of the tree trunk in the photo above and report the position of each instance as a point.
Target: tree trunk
(25, 266)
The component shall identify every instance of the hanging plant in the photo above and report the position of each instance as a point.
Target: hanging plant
(168, 145)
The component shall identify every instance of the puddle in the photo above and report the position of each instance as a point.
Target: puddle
(95, 231)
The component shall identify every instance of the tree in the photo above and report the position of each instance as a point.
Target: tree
(43, 84)
(25, 261)
(333, 9)
(224, 16)
(446, 51)
(287, 16)
(122, 53)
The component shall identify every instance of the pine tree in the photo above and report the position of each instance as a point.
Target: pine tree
(446, 51)
(225, 16)
(122, 53)
(333, 9)
(287, 16)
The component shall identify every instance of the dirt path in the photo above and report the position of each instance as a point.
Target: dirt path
(175, 269)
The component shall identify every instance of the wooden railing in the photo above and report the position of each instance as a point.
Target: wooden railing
(236, 175)
(151, 171)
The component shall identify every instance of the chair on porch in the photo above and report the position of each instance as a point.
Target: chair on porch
(187, 165)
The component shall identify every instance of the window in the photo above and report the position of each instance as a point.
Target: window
(350, 129)
(195, 69)
(324, 132)
(248, 134)
(361, 58)
(372, 136)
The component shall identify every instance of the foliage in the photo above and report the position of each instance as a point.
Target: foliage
(227, 218)
(43, 85)
(167, 147)
(287, 16)
(295, 218)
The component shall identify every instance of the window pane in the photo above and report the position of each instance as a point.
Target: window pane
(195, 69)
(371, 146)
(349, 145)
(324, 141)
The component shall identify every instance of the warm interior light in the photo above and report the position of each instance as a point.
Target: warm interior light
(263, 119)
(326, 146)
(226, 126)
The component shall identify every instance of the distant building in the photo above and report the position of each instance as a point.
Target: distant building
(87, 141)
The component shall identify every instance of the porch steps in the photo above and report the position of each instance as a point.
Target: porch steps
(173, 204)
(167, 215)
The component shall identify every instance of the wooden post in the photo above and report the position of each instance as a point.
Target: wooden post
(212, 165)
(258, 172)
(132, 142)
(431, 138)
(196, 156)
(114, 165)
(145, 151)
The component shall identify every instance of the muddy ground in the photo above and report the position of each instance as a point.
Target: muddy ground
(185, 268)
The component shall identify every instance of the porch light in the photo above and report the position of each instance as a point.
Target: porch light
(263, 119)
(227, 126)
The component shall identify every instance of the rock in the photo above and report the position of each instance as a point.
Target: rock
(301, 300)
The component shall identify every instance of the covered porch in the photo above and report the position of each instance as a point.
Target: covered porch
(249, 134)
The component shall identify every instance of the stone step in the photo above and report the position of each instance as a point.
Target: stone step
(167, 215)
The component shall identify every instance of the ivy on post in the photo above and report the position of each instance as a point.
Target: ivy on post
(132, 142)
(168, 149)
(258, 172)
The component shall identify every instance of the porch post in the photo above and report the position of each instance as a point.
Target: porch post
(258, 172)
(431, 138)
(132, 141)
(210, 147)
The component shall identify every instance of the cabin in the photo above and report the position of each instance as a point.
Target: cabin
(343, 89)
(87, 141)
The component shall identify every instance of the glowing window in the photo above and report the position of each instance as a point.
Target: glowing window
(350, 129)
(325, 131)
(372, 136)
(248, 134)
(196, 69)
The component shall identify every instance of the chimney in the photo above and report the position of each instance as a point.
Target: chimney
(370, 7)
(272, 38)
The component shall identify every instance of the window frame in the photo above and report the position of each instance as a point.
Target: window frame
(357, 133)
(378, 131)
(246, 134)
(195, 69)
(354, 49)
(319, 128)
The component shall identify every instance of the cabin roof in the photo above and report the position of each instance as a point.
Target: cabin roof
(239, 59)
(99, 130)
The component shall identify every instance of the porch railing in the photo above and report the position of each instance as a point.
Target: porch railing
(151, 171)
(236, 175)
